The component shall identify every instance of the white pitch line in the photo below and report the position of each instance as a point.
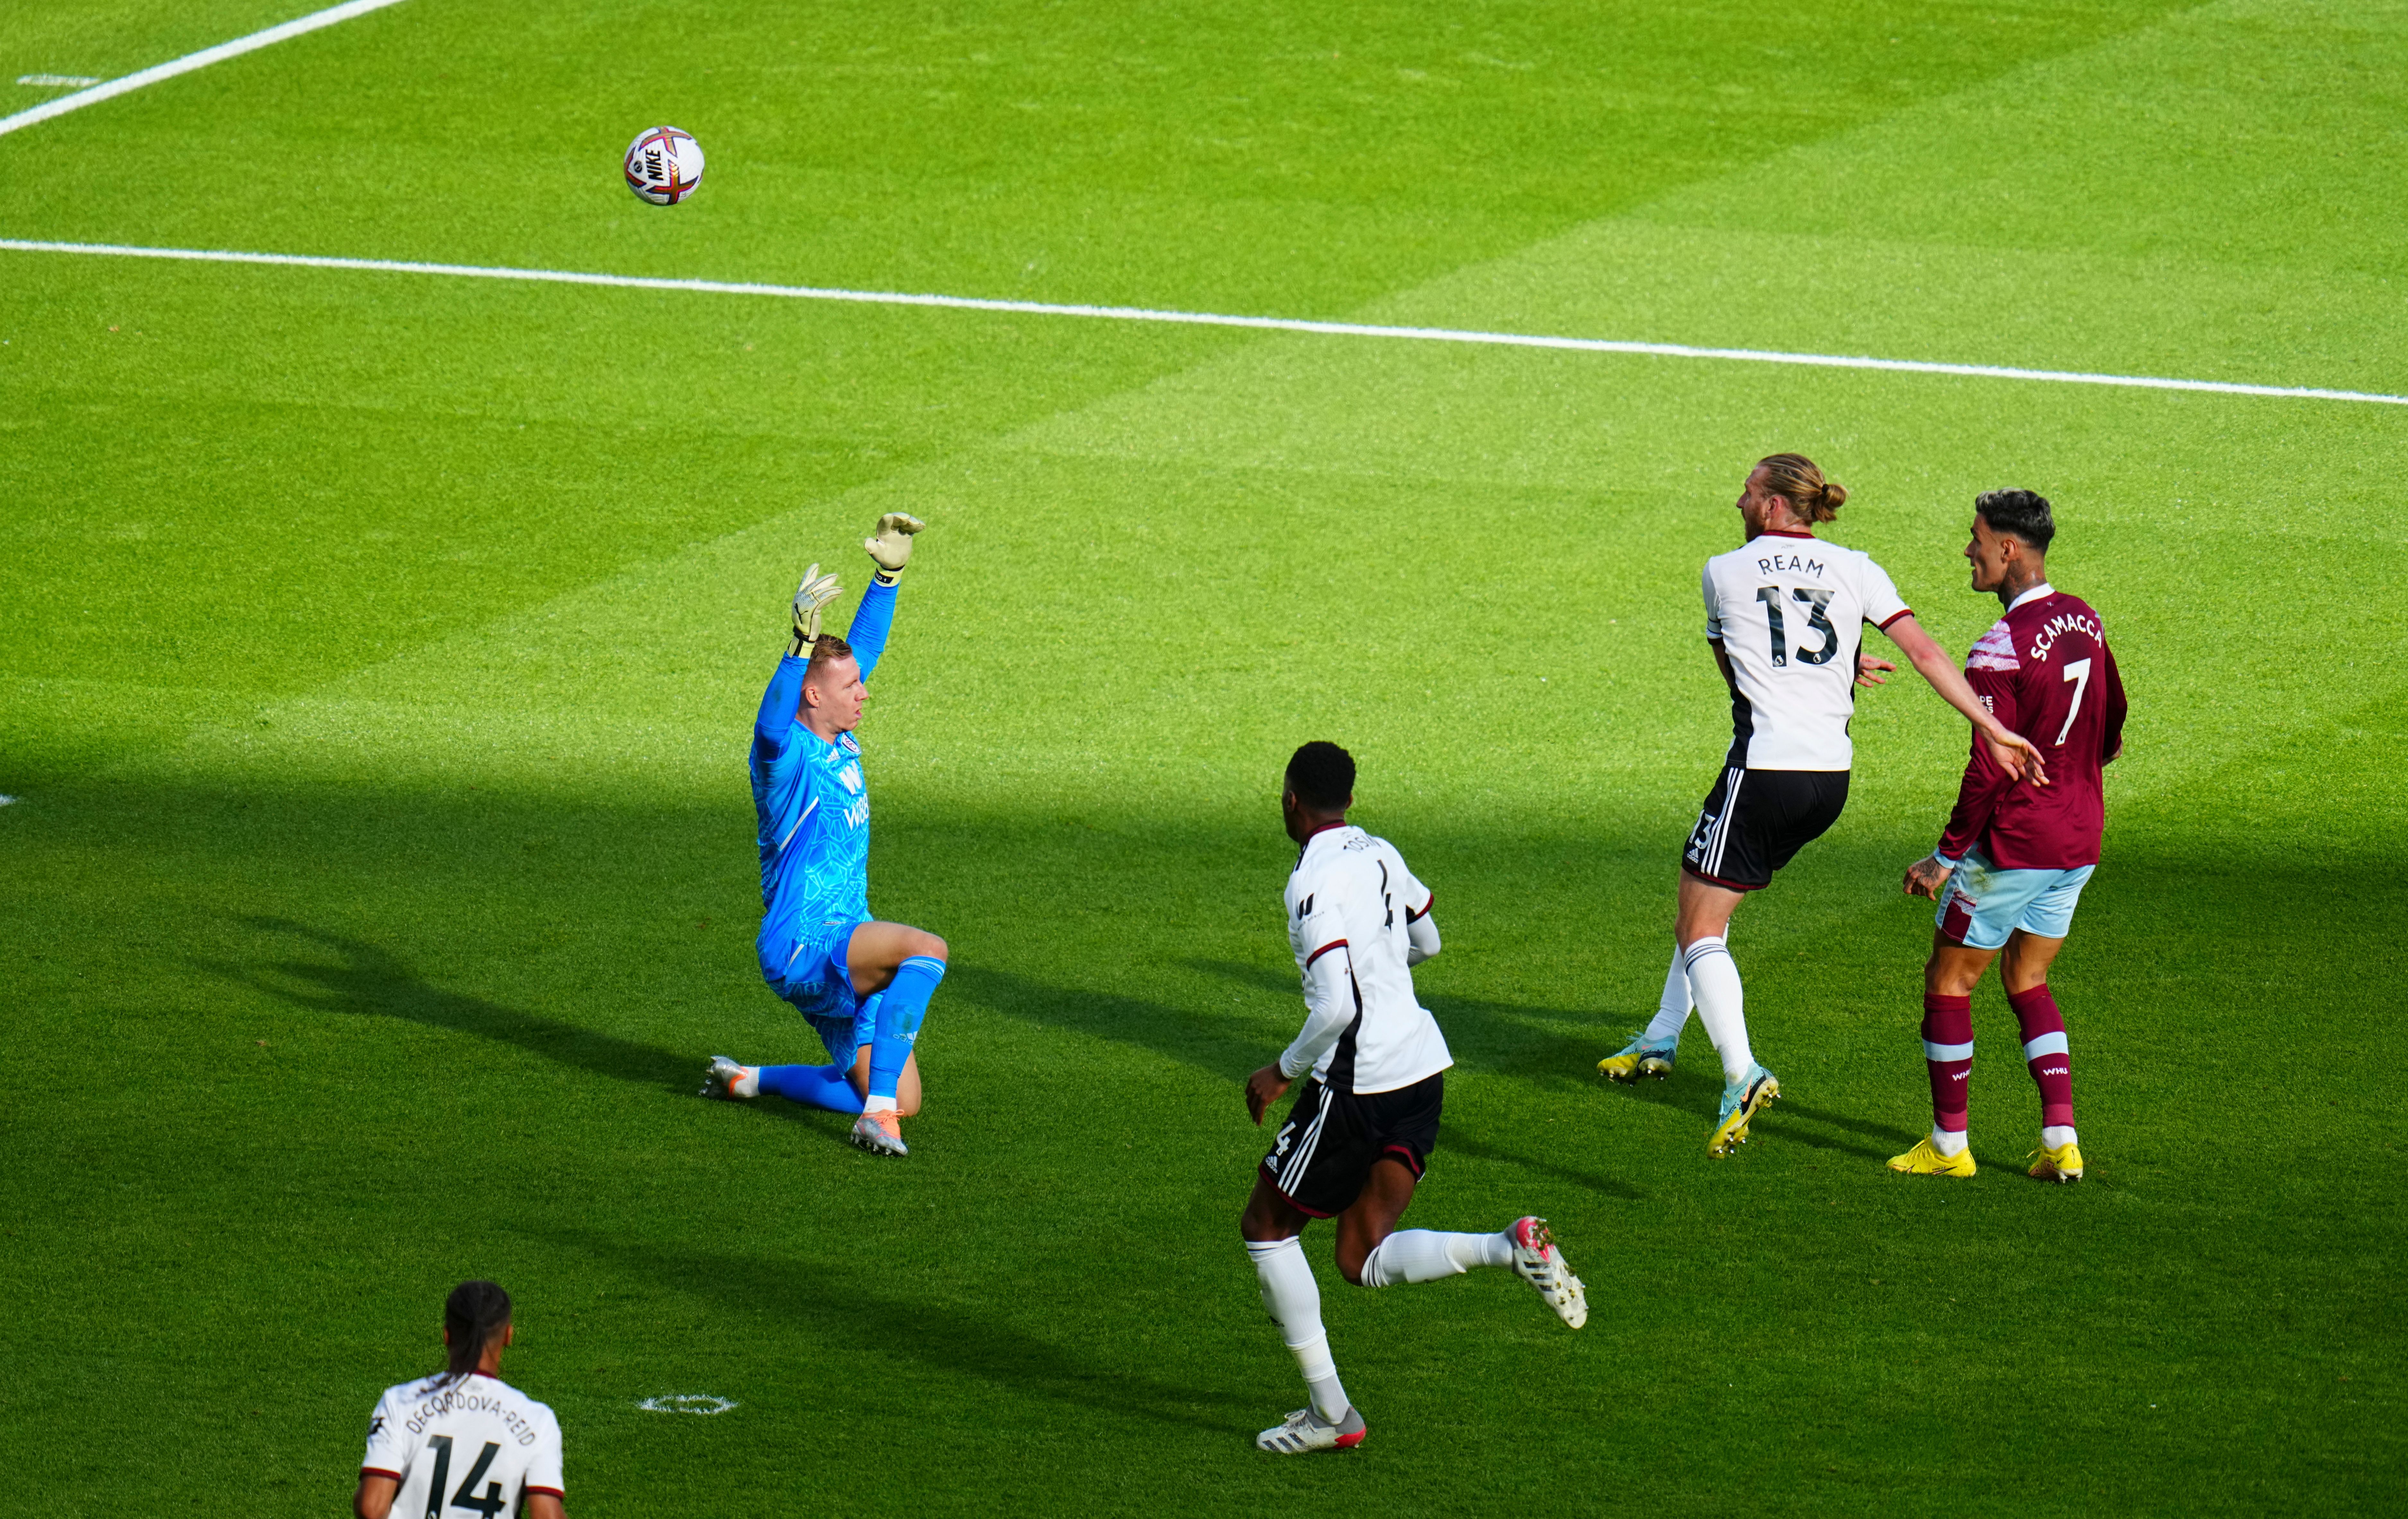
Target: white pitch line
(1204, 319)
(189, 62)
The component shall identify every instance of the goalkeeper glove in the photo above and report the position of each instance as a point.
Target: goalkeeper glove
(816, 591)
(891, 545)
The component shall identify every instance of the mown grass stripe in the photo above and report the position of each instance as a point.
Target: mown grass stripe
(1213, 319)
(191, 60)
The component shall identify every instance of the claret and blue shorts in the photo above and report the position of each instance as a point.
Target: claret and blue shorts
(1982, 905)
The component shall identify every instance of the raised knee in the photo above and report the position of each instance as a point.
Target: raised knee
(931, 946)
(1354, 1274)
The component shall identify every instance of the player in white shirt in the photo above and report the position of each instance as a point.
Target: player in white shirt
(463, 1443)
(1785, 618)
(1360, 1134)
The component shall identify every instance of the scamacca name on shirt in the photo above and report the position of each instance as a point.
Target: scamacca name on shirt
(2056, 626)
(469, 1402)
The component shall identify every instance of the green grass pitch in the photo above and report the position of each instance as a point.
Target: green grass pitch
(377, 653)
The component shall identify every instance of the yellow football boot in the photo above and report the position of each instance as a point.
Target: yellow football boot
(1925, 1160)
(1635, 1059)
(1742, 1099)
(2062, 1164)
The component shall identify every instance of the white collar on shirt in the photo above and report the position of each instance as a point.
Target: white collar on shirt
(2043, 589)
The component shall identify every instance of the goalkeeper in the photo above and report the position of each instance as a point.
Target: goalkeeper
(863, 984)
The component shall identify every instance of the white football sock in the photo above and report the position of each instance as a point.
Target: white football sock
(1427, 1256)
(747, 1085)
(1294, 1301)
(881, 1105)
(1672, 1009)
(1949, 1142)
(2057, 1136)
(1722, 1004)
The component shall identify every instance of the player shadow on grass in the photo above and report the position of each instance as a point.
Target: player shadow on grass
(370, 981)
(1493, 1036)
(1890, 1138)
(1779, 1121)
(846, 1307)
(1451, 1137)
(1502, 1038)
(1483, 1048)
(1219, 1043)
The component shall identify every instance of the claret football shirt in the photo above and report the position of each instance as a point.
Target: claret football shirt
(2045, 670)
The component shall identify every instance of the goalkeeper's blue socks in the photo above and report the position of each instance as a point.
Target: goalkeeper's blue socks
(905, 1002)
(813, 1086)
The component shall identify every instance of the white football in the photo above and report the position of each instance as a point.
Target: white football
(663, 164)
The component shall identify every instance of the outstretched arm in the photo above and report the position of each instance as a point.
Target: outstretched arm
(2015, 754)
(871, 621)
(1987, 784)
(774, 724)
(890, 548)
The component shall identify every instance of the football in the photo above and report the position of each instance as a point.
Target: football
(663, 164)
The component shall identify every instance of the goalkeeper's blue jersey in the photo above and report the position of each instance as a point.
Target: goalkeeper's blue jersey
(812, 801)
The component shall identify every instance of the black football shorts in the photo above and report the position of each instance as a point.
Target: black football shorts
(1325, 1151)
(1755, 822)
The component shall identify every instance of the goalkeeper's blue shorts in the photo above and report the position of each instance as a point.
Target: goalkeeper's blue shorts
(812, 974)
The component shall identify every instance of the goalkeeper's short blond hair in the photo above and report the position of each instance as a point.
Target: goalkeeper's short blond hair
(827, 649)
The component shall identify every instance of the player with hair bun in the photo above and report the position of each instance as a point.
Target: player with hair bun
(1784, 619)
(462, 1439)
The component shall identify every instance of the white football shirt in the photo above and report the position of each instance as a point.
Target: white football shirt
(470, 1449)
(1350, 906)
(1790, 610)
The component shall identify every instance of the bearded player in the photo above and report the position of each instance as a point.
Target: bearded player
(2014, 860)
(1358, 1139)
(1784, 620)
(863, 984)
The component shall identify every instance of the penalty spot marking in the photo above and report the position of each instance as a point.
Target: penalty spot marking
(704, 1403)
(185, 64)
(1198, 319)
